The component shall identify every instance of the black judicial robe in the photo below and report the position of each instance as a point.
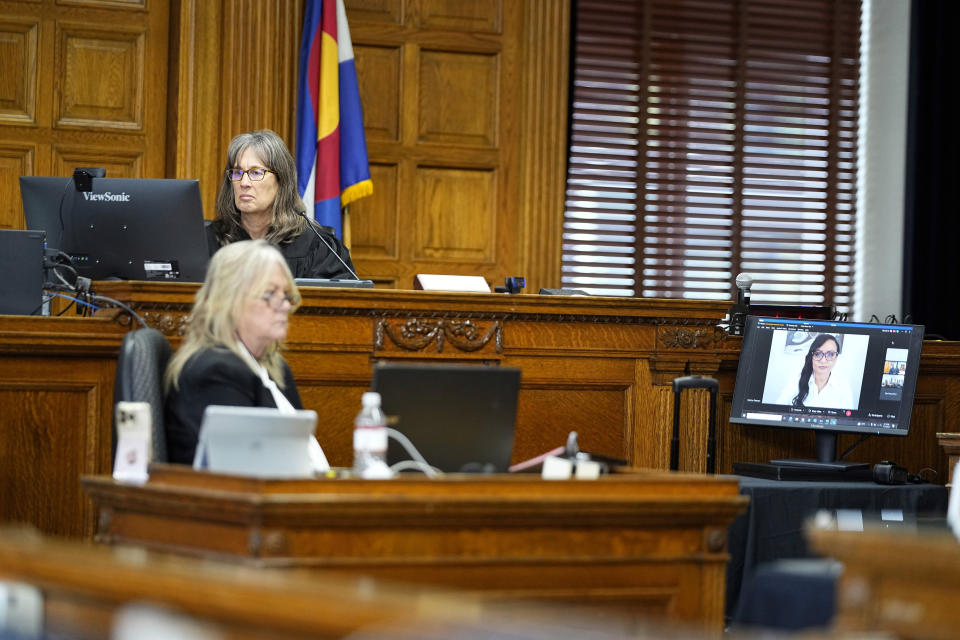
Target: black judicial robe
(306, 255)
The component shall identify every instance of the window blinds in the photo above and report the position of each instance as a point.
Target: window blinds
(710, 138)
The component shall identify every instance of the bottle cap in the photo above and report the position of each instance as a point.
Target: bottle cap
(370, 399)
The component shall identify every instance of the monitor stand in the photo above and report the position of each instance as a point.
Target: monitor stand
(825, 468)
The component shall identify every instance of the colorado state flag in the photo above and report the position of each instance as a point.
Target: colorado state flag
(332, 166)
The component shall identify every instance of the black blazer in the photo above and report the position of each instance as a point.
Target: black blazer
(214, 376)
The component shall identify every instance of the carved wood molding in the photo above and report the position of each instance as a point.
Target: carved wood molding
(706, 324)
(416, 334)
(169, 323)
(686, 337)
(168, 319)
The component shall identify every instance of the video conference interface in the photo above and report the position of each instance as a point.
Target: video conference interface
(841, 376)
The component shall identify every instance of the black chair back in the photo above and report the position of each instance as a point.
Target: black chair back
(143, 359)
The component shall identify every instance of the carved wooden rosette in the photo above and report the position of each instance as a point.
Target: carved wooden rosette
(170, 320)
(680, 348)
(417, 334)
(687, 337)
(167, 323)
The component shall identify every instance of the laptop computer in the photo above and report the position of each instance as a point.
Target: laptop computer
(460, 417)
(256, 441)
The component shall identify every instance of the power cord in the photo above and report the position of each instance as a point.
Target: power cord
(117, 303)
(854, 446)
(84, 296)
(418, 462)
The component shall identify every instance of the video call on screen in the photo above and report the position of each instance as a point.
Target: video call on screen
(868, 367)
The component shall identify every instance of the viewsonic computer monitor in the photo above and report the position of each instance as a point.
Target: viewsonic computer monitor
(869, 388)
(126, 228)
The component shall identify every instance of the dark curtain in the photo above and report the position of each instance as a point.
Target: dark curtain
(931, 295)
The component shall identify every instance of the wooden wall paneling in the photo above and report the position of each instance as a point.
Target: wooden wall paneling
(543, 140)
(236, 71)
(260, 55)
(100, 75)
(85, 84)
(465, 15)
(386, 12)
(380, 77)
(591, 396)
(453, 215)
(194, 147)
(375, 232)
(16, 159)
(470, 113)
(21, 48)
(55, 418)
(376, 221)
(19, 51)
(110, 85)
(119, 162)
(438, 81)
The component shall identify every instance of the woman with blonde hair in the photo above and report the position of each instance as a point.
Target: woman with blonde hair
(230, 354)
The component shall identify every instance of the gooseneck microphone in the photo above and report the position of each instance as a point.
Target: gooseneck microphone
(739, 311)
(312, 225)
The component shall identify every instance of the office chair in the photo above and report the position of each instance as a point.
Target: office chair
(143, 359)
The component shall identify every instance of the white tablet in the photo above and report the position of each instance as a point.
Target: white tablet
(256, 441)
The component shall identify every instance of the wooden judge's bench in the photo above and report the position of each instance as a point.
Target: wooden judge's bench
(600, 366)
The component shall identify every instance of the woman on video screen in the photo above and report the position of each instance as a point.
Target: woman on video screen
(818, 386)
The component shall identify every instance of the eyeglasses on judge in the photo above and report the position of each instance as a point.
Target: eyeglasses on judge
(256, 174)
(275, 298)
(820, 355)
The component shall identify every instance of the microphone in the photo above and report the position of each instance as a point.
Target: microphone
(744, 282)
(336, 255)
(739, 311)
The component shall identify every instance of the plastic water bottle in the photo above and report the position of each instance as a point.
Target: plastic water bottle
(370, 439)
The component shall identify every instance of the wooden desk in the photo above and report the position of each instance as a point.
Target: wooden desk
(56, 403)
(950, 443)
(84, 587)
(600, 366)
(649, 543)
(905, 584)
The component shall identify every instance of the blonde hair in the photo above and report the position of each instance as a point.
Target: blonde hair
(286, 223)
(237, 272)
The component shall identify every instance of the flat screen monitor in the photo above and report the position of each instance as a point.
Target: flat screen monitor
(125, 228)
(827, 376)
(460, 417)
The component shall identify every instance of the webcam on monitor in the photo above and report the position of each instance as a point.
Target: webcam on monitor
(83, 177)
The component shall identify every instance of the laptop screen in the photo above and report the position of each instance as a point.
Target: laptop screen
(460, 417)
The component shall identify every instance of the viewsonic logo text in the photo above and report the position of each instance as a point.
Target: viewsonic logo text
(106, 197)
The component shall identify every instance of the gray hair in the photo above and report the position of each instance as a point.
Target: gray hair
(237, 272)
(271, 149)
